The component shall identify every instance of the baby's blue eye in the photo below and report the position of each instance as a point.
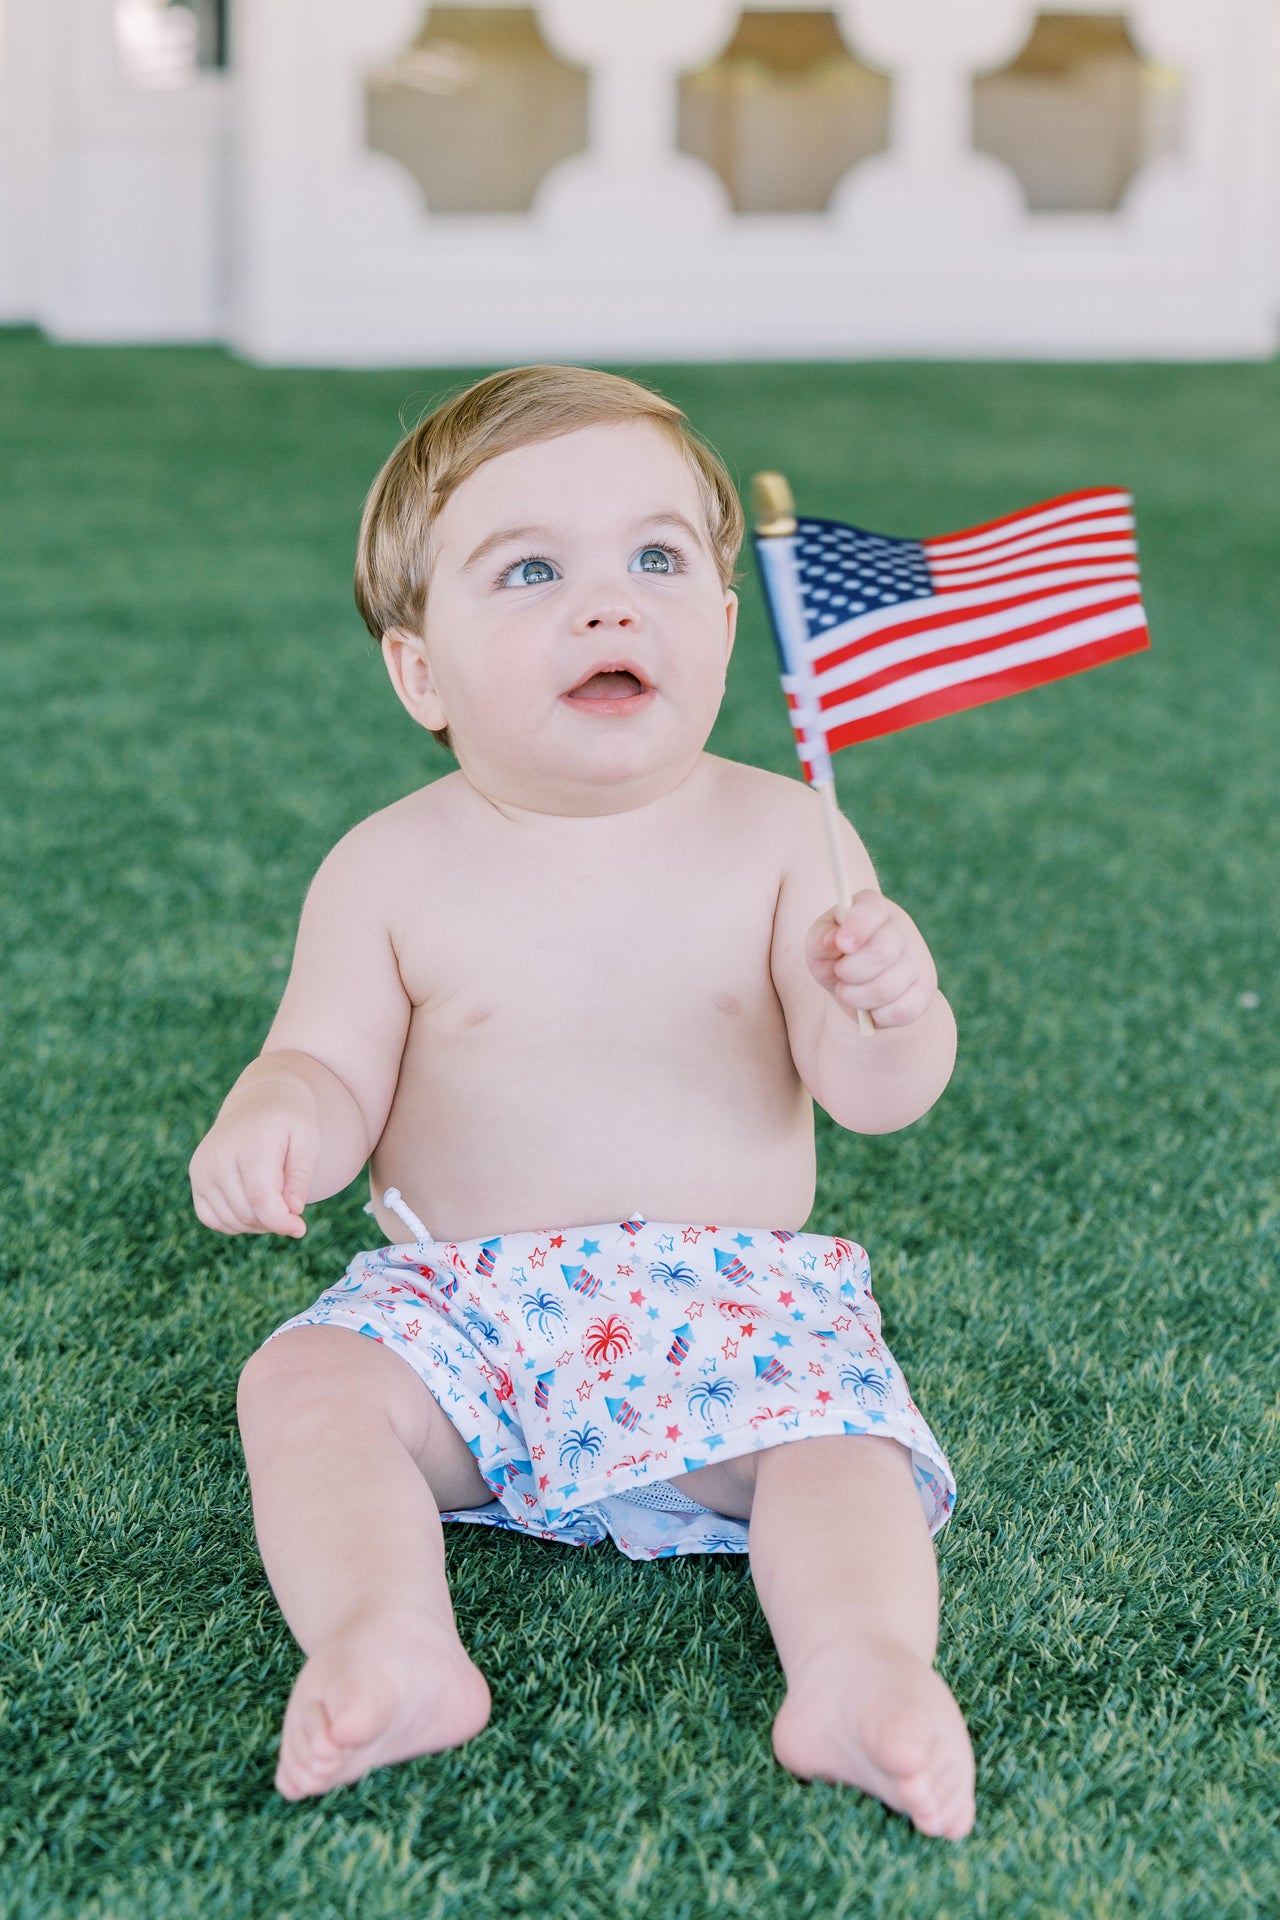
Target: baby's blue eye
(653, 560)
(529, 573)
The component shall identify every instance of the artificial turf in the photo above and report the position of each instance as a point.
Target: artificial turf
(1075, 1251)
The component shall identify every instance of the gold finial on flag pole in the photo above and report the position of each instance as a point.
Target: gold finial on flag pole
(773, 511)
(772, 507)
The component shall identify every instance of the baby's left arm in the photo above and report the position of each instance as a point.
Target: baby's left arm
(825, 968)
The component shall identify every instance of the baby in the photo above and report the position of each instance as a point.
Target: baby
(592, 979)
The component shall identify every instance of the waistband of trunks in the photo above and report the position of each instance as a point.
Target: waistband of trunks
(670, 1239)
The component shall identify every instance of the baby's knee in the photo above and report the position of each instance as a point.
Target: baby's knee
(298, 1371)
(313, 1378)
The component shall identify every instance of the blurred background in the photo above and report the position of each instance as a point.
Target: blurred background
(320, 181)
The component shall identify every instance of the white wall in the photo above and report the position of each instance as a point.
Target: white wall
(112, 196)
(246, 207)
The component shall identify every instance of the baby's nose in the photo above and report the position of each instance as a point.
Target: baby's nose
(611, 613)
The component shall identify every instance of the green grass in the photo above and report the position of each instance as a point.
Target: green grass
(1076, 1251)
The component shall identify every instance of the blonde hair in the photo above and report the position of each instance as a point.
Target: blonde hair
(508, 410)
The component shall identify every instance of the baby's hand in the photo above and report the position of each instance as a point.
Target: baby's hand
(875, 958)
(251, 1171)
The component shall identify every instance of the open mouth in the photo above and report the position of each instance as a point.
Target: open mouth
(609, 683)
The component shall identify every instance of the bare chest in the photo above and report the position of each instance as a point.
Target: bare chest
(616, 953)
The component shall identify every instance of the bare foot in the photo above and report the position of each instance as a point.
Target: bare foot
(875, 1716)
(382, 1689)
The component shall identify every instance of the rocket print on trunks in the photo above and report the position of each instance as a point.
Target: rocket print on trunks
(586, 1367)
(730, 1267)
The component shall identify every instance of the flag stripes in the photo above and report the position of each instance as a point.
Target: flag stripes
(1065, 508)
(1012, 604)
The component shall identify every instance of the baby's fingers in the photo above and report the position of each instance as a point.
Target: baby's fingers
(267, 1209)
(879, 953)
(821, 950)
(211, 1211)
(230, 1201)
(297, 1176)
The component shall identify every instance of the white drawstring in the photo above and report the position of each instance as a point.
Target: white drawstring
(392, 1198)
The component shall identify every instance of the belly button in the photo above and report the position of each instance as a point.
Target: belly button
(476, 1014)
(727, 1002)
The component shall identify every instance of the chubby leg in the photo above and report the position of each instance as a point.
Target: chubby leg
(350, 1462)
(845, 1572)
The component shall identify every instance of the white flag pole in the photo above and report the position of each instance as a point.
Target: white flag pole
(773, 512)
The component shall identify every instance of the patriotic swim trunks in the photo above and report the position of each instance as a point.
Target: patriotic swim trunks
(583, 1367)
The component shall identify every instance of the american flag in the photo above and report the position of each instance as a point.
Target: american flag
(877, 634)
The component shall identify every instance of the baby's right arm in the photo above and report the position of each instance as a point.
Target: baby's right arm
(303, 1118)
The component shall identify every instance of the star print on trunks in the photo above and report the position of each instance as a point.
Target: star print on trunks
(586, 1366)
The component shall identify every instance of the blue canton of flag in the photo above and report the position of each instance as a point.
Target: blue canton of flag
(843, 571)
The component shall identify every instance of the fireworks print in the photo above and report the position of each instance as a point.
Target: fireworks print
(583, 1442)
(867, 1382)
(478, 1328)
(441, 1357)
(542, 1311)
(653, 1349)
(673, 1275)
(709, 1397)
(607, 1340)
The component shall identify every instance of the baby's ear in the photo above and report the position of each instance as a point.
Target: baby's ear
(406, 656)
(731, 618)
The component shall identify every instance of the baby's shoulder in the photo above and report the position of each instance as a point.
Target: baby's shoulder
(769, 802)
(782, 820)
(376, 852)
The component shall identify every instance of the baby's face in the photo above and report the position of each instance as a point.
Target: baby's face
(576, 631)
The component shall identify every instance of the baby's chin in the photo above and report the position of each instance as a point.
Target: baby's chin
(608, 776)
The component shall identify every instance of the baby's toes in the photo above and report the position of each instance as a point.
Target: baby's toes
(309, 1754)
(923, 1747)
(938, 1796)
(947, 1813)
(956, 1803)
